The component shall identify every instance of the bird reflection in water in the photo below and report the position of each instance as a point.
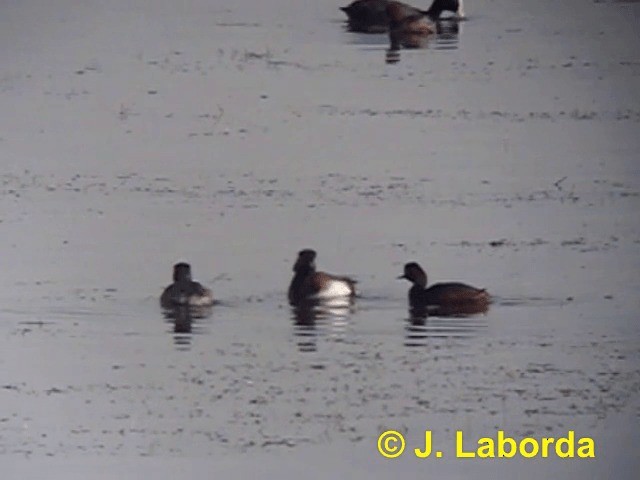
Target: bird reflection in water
(447, 34)
(185, 321)
(313, 319)
(437, 321)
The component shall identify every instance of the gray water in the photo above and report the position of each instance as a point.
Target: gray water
(233, 135)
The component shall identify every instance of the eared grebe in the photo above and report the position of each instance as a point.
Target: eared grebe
(307, 284)
(184, 291)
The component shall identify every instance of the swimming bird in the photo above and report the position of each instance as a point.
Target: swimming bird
(308, 284)
(408, 29)
(449, 296)
(184, 291)
(371, 16)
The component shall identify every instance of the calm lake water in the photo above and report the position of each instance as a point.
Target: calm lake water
(232, 135)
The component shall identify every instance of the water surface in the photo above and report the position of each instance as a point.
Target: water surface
(232, 136)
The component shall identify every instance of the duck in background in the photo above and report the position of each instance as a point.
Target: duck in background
(408, 30)
(371, 16)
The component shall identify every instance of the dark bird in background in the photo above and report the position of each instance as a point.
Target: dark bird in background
(372, 16)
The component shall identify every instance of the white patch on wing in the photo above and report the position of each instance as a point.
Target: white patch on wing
(201, 300)
(335, 288)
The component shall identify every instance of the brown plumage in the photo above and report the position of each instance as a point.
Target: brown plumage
(406, 28)
(450, 296)
(371, 16)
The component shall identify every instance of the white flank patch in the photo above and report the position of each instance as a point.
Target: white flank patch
(201, 300)
(335, 288)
